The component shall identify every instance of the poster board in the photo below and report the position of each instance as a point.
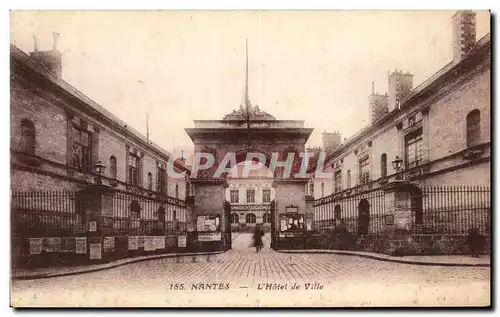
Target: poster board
(181, 241)
(36, 245)
(133, 242)
(81, 245)
(149, 243)
(95, 251)
(109, 244)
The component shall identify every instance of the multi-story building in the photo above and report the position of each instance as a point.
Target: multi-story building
(60, 142)
(435, 134)
(440, 129)
(250, 198)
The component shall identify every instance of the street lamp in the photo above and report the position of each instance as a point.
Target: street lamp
(99, 168)
(398, 165)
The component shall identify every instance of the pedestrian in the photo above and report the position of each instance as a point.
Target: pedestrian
(257, 238)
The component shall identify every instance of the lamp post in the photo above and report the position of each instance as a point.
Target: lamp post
(99, 168)
(398, 166)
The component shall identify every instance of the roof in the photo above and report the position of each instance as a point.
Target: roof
(412, 97)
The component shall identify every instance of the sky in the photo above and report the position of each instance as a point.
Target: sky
(180, 66)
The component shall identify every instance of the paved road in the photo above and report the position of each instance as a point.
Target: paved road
(244, 276)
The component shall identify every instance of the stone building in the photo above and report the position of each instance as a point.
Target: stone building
(441, 129)
(60, 141)
(435, 134)
(250, 198)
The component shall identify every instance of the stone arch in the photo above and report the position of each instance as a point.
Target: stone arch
(363, 216)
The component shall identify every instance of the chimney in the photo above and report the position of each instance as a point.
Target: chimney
(331, 141)
(464, 34)
(400, 85)
(51, 59)
(379, 105)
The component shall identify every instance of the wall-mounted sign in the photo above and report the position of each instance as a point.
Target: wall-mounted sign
(95, 251)
(181, 241)
(389, 219)
(93, 226)
(68, 244)
(81, 245)
(210, 236)
(53, 244)
(36, 245)
(109, 244)
(292, 209)
(133, 243)
(149, 243)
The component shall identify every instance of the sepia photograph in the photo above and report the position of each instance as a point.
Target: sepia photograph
(250, 158)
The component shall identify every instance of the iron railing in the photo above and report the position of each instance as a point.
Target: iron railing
(451, 210)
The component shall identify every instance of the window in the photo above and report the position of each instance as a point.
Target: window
(473, 127)
(82, 154)
(133, 169)
(364, 171)
(312, 189)
(150, 181)
(267, 217)
(161, 217)
(112, 167)
(322, 189)
(413, 148)
(338, 181)
(266, 195)
(177, 191)
(251, 218)
(235, 219)
(349, 179)
(250, 195)
(234, 196)
(161, 185)
(383, 165)
(28, 136)
(135, 209)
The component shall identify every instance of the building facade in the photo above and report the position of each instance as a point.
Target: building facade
(440, 129)
(60, 142)
(423, 164)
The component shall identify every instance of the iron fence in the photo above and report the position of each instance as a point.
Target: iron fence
(44, 213)
(363, 213)
(453, 210)
(53, 213)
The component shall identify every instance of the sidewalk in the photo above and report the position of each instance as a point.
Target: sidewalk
(436, 260)
(30, 274)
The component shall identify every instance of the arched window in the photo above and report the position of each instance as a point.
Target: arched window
(112, 167)
(349, 179)
(177, 191)
(251, 218)
(150, 181)
(28, 136)
(235, 219)
(135, 209)
(473, 128)
(267, 217)
(383, 165)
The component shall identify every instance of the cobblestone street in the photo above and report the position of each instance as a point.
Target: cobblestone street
(244, 277)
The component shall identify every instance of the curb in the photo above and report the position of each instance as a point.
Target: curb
(110, 266)
(395, 260)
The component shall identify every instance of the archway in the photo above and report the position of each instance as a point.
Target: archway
(363, 217)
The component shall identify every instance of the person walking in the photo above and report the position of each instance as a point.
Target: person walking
(257, 238)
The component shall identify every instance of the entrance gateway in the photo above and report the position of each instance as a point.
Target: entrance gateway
(248, 130)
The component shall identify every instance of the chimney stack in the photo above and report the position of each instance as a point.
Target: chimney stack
(52, 59)
(464, 34)
(379, 105)
(331, 141)
(400, 85)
